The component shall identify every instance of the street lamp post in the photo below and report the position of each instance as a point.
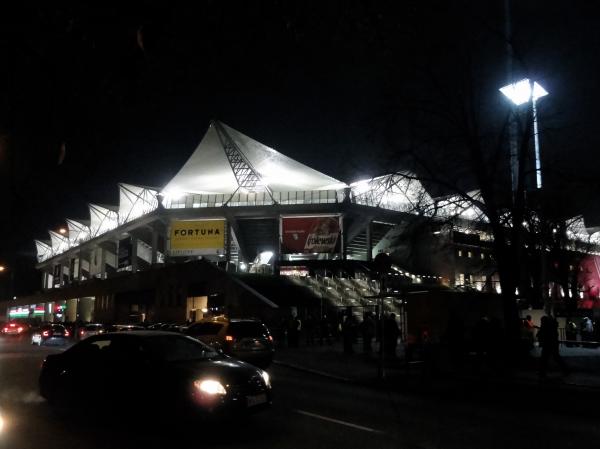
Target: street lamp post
(522, 92)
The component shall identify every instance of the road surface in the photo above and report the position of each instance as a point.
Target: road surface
(309, 411)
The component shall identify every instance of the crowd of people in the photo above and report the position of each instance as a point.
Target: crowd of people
(345, 327)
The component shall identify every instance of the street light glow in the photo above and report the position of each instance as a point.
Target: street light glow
(62, 231)
(523, 91)
(2, 268)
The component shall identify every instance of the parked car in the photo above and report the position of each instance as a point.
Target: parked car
(15, 328)
(192, 377)
(246, 339)
(123, 327)
(90, 329)
(48, 332)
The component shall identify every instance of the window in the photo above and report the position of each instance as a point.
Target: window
(175, 349)
(205, 328)
(469, 254)
(460, 253)
(242, 329)
(482, 256)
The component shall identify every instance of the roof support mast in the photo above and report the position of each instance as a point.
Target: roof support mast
(246, 176)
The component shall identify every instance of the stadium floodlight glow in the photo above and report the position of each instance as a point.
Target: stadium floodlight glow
(522, 92)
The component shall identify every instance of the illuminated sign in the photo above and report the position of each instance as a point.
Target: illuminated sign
(319, 234)
(589, 279)
(194, 238)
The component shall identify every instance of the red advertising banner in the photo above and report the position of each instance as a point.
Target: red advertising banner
(589, 280)
(310, 234)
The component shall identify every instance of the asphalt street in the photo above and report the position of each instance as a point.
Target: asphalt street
(309, 411)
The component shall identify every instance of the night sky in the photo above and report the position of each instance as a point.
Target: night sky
(95, 95)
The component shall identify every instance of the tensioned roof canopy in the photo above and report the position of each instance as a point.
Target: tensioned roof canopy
(225, 156)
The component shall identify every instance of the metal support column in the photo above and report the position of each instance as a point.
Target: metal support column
(102, 263)
(154, 246)
(134, 258)
(369, 242)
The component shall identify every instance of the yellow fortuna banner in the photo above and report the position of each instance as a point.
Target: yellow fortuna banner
(193, 238)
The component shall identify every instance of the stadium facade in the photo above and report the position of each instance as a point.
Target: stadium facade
(237, 206)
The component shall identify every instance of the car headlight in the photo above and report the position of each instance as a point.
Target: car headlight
(266, 378)
(209, 386)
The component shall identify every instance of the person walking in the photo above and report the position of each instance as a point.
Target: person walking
(348, 332)
(391, 332)
(571, 333)
(368, 332)
(587, 331)
(324, 331)
(293, 331)
(309, 329)
(548, 339)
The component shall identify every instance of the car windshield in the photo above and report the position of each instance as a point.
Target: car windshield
(243, 329)
(209, 328)
(178, 348)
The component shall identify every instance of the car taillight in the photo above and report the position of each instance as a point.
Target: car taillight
(270, 338)
(228, 338)
(67, 333)
(6, 329)
(12, 324)
(20, 329)
(45, 333)
(81, 332)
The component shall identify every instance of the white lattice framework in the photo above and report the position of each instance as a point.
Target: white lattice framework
(229, 163)
(135, 201)
(60, 243)
(78, 232)
(44, 251)
(399, 192)
(461, 207)
(102, 219)
(577, 230)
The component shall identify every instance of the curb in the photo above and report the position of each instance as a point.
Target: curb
(564, 385)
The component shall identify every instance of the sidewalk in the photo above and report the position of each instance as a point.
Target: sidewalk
(331, 362)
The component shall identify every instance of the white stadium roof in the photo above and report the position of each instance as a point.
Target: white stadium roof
(227, 161)
(228, 168)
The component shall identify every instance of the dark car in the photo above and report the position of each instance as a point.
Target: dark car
(150, 368)
(245, 339)
(50, 332)
(15, 328)
(90, 329)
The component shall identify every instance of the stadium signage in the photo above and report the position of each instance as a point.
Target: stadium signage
(316, 234)
(195, 238)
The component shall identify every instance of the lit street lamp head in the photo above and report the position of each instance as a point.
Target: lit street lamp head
(523, 91)
(2, 268)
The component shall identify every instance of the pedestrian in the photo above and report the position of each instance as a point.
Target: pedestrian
(571, 333)
(587, 332)
(309, 330)
(349, 332)
(293, 331)
(368, 332)
(527, 335)
(391, 332)
(548, 338)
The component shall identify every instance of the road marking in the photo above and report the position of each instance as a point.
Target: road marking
(338, 421)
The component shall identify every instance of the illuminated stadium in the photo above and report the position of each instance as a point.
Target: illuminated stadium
(237, 206)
